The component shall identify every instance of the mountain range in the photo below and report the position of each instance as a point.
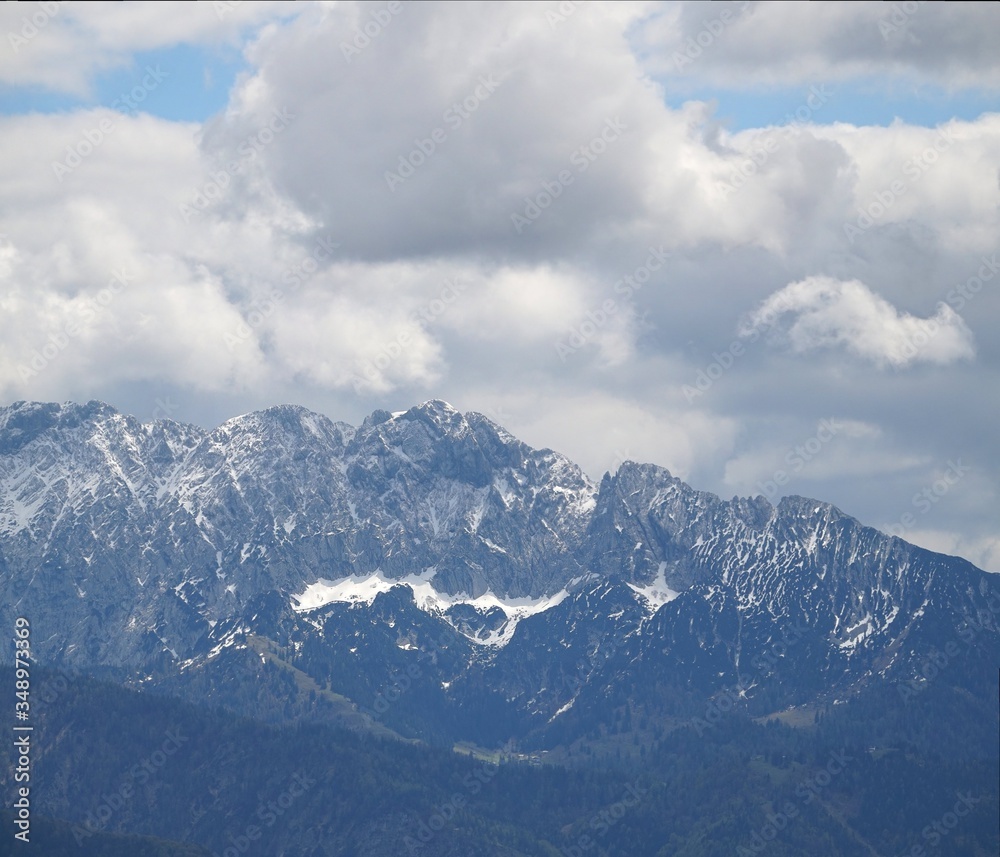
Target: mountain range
(426, 577)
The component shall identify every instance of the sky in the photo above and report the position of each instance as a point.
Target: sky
(754, 243)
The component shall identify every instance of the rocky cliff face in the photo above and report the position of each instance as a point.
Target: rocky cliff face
(154, 549)
(133, 539)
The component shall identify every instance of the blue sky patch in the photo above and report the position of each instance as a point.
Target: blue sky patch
(853, 103)
(186, 83)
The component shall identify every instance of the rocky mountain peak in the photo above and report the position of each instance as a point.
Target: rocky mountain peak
(135, 541)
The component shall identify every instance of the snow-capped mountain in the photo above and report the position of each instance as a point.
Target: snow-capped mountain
(148, 534)
(171, 553)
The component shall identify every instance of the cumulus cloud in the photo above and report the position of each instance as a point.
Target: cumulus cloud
(296, 261)
(478, 136)
(901, 173)
(619, 429)
(821, 312)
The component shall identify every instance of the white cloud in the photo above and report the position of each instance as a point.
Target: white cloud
(62, 46)
(618, 429)
(829, 313)
(943, 179)
(982, 551)
(524, 304)
(375, 304)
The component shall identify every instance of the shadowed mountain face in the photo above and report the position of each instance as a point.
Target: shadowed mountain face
(186, 558)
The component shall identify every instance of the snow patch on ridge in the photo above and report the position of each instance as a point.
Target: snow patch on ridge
(656, 593)
(358, 589)
(515, 609)
(363, 590)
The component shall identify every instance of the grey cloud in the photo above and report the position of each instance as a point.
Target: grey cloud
(619, 393)
(748, 44)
